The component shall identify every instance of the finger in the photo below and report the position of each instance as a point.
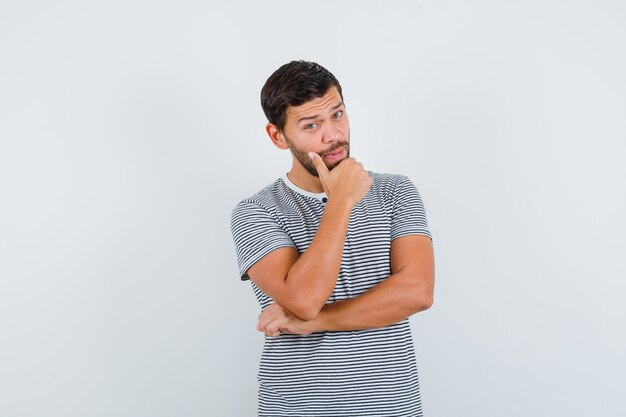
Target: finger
(264, 320)
(320, 166)
(273, 329)
(261, 325)
(266, 316)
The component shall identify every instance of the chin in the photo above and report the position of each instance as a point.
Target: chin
(334, 164)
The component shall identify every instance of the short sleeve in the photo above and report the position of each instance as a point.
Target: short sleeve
(255, 233)
(408, 216)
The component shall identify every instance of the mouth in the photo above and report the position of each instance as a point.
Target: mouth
(336, 154)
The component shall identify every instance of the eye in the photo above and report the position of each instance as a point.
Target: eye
(338, 114)
(310, 126)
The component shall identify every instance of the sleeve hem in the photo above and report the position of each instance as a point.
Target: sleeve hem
(243, 273)
(413, 232)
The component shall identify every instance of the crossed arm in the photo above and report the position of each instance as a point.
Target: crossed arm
(300, 285)
(408, 290)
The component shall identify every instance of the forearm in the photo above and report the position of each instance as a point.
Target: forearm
(302, 283)
(312, 278)
(391, 301)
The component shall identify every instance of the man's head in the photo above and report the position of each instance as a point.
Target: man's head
(304, 106)
(292, 85)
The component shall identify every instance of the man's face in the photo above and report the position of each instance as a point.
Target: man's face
(320, 125)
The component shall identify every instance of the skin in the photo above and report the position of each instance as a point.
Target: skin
(300, 284)
(321, 126)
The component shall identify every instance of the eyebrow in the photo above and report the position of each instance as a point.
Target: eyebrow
(317, 116)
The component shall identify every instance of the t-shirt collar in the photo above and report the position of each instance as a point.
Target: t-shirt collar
(294, 187)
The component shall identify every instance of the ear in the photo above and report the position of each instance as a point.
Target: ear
(278, 139)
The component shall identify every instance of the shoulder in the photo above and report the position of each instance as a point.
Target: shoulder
(267, 197)
(386, 179)
(271, 204)
(388, 184)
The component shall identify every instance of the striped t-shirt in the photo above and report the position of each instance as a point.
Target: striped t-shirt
(346, 373)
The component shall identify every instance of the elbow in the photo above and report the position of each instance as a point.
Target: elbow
(422, 299)
(306, 313)
(305, 309)
(427, 302)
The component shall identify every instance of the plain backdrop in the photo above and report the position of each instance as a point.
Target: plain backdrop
(130, 129)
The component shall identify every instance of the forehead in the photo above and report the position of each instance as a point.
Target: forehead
(315, 106)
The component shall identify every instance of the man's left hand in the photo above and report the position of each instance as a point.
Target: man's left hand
(275, 320)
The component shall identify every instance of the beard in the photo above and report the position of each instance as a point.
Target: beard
(305, 161)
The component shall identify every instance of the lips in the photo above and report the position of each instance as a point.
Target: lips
(336, 154)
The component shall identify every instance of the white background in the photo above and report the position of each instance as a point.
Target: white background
(129, 130)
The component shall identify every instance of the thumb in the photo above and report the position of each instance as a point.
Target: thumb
(320, 166)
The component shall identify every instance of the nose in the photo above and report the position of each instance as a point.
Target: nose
(332, 133)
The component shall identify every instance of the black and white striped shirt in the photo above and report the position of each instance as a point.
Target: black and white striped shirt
(348, 373)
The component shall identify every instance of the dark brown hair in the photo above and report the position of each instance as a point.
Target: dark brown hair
(292, 85)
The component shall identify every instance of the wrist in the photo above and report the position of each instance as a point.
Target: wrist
(339, 206)
(314, 325)
(319, 323)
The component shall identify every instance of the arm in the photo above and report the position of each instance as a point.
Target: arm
(408, 290)
(303, 283)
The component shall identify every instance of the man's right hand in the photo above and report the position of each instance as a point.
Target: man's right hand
(347, 182)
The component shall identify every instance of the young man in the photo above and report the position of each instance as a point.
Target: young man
(339, 258)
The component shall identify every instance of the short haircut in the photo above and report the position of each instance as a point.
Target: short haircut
(292, 85)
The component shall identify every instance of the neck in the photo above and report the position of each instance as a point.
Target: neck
(303, 179)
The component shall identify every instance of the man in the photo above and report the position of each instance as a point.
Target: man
(339, 258)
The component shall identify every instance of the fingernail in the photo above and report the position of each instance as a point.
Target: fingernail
(311, 155)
